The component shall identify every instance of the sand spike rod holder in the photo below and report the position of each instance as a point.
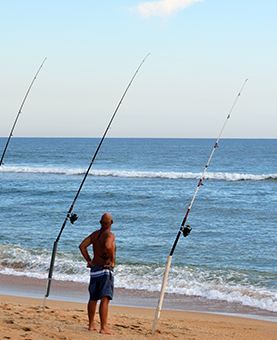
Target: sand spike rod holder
(185, 229)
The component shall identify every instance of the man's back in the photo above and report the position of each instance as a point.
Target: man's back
(103, 243)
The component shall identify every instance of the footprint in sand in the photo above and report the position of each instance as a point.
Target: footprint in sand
(135, 327)
(9, 322)
(122, 326)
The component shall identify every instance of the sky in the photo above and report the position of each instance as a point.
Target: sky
(201, 52)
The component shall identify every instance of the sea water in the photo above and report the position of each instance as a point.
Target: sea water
(147, 184)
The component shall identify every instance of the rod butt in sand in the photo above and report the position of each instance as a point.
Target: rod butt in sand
(162, 292)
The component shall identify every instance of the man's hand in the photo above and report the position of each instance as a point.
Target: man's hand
(89, 264)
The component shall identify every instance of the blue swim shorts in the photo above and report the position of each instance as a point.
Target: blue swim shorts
(101, 283)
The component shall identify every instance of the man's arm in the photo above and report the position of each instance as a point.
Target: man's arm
(83, 248)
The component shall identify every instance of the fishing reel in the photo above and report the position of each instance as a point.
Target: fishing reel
(186, 230)
(73, 218)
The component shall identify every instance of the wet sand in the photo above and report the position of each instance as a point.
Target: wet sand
(78, 292)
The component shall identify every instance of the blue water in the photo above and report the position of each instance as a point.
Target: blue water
(147, 185)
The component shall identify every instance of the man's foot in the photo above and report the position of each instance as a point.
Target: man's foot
(92, 327)
(105, 330)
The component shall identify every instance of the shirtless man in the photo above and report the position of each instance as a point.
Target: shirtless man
(101, 272)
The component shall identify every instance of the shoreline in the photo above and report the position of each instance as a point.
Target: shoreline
(76, 292)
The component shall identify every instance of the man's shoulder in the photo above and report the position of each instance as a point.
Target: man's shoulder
(94, 234)
(109, 235)
(112, 235)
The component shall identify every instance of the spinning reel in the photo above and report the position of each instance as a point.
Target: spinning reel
(73, 218)
(186, 230)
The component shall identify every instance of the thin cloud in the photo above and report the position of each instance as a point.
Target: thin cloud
(163, 7)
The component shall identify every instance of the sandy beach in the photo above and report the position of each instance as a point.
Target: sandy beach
(25, 318)
(138, 153)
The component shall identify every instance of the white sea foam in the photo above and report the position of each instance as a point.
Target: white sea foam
(226, 285)
(222, 176)
(193, 282)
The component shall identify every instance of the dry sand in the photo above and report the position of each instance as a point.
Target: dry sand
(24, 318)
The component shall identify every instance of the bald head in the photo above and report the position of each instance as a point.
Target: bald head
(106, 220)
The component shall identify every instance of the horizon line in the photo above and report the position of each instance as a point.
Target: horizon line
(97, 137)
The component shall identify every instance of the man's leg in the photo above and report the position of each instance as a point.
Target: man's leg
(91, 314)
(103, 312)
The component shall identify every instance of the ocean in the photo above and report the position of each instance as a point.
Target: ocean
(147, 185)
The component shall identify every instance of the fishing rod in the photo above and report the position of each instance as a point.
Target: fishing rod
(20, 110)
(185, 229)
(71, 216)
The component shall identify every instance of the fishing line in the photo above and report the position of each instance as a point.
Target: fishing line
(19, 111)
(185, 229)
(72, 216)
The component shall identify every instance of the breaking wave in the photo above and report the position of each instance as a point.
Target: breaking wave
(215, 284)
(221, 176)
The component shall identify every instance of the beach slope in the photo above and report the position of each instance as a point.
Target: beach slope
(24, 318)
